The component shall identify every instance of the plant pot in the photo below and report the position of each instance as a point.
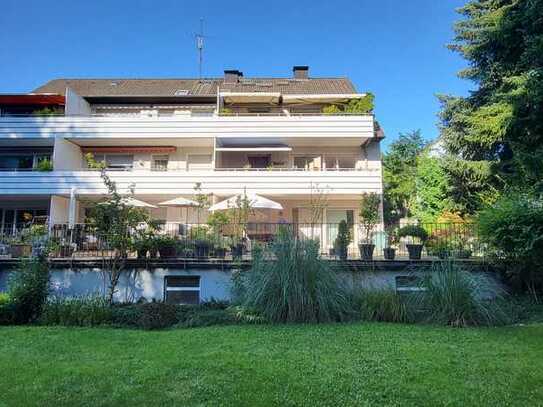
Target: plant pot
(220, 253)
(237, 251)
(463, 254)
(342, 252)
(201, 249)
(20, 250)
(443, 254)
(366, 250)
(167, 251)
(414, 250)
(389, 253)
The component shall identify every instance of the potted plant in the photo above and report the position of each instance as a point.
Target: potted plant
(166, 246)
(45, 165)
(418, 238)
(143, 245)
(19, 247)
(389, 252)
(369, 218)
(221, 245)
(185, 248)
(201, 240)
(343, 239)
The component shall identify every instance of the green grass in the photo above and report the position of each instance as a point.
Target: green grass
(291, 365)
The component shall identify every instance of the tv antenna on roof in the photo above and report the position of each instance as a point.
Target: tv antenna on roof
(200, 47)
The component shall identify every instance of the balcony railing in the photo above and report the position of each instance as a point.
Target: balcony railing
(200, 241)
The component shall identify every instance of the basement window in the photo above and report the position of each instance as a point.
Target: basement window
(408, 284)
(182, 289)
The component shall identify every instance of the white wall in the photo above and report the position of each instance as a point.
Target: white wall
(58, 213)
(75, 104)
(66, 155)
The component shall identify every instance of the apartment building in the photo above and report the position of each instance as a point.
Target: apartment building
(159, 138)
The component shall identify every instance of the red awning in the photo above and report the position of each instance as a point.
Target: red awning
(32, 100)
(129, 149)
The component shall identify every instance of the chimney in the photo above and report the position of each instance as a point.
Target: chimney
(232, 75)
(300, 71)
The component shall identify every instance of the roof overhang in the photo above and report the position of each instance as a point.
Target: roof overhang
(129, 149)
(251, 97)
(323, 98)
(255, 148)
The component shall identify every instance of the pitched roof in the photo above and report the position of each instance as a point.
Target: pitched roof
(196, 87)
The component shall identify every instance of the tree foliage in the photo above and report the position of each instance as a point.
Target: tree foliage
(494, 137)
(399, 172)
(431, 186)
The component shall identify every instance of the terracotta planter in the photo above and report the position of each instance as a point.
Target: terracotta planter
(366, 251)
(414, 250)
(389, 253)
(20, 250)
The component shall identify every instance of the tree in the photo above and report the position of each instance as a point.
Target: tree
(494, 137)
(431, 186)
(114, 222)
(399, 171)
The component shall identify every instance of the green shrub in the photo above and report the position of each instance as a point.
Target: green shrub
(288, 282)
(385, 304)
(453, 296)
(8, 314)
(414, 231)
(4, 298)
(206, 317)
(157, 315)
(513, 230)
(77, 311)
(126, 315)
(28, 288)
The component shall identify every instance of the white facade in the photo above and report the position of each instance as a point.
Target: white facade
(285, 156)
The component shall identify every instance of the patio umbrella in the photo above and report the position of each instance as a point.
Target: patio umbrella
(129, 201)
(180, 202)
(255, 202)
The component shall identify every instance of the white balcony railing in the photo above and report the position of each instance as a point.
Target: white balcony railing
(179, 127)
(223, 182)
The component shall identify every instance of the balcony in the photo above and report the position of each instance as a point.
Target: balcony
(221, 182)
(94, 128)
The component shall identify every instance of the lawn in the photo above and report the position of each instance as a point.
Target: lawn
(334, 365)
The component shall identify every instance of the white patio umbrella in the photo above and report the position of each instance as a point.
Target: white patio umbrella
(129, 201)
(255, 202)
(180, 202)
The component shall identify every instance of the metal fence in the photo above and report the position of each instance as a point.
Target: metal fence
(199, 240)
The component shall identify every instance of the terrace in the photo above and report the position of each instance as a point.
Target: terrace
(204, 243)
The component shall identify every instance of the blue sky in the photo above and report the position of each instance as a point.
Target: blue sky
(393, 48)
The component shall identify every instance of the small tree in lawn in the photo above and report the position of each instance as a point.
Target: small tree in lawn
(368, 214)
(114, 222)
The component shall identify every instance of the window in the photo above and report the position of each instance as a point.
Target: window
(199, 162)
(334, 162)
(409, 283)
(23, 161)
(259, 161)
(308, 162)
(160, 162)
(182, 289)
(116, 161)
